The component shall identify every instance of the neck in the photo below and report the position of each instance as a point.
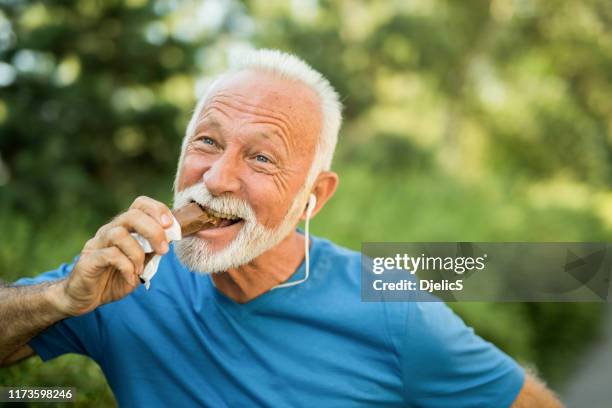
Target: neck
(271, 268)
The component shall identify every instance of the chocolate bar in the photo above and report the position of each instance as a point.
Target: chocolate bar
(192, 218)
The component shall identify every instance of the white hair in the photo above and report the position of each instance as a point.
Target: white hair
(284, 66)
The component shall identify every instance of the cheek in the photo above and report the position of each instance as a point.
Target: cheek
(270, 205)
(192, 170)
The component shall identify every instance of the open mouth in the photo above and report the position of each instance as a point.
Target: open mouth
(218, 219)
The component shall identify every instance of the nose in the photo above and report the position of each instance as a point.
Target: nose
(222, 176)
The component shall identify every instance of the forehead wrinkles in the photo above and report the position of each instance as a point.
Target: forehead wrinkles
(262, 114)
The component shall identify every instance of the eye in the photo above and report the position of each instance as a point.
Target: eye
(207, 140)
(262, 159)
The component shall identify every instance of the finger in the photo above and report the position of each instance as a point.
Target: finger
(114, 257)
(137, 221)
(122, 239)
(91, 244)
(155, 209)
(95, 242)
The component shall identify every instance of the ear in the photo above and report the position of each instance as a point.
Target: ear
(324, 188)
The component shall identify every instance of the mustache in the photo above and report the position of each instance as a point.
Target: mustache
(224, 204)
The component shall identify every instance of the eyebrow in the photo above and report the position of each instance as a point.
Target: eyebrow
(268, 135)
(212, 122)
(207, 121)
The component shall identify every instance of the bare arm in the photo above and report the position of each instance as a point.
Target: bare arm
(534, 394)
(24, 312)
(106, 271)
(22, 353)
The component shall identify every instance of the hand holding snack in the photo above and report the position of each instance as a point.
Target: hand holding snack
(187, 220)
(111, 262)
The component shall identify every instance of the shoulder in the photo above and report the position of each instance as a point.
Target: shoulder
(333, 250)
(432, 332)
(337, 277)
(327, 255)
(421, 331)
(442, 357)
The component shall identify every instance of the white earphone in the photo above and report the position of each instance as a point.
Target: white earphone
(312, 203)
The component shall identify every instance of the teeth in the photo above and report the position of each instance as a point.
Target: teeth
(220, 215)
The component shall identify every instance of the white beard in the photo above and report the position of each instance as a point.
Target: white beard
(252, 240)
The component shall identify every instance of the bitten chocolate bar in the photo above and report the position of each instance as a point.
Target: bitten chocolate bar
(192, 218)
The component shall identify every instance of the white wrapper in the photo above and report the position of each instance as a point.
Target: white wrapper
(173, 233)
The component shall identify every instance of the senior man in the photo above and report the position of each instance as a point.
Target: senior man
(247, 313)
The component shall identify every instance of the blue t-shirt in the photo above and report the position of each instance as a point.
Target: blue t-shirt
(184, 343)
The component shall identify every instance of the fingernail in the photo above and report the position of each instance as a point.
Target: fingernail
(165, 220)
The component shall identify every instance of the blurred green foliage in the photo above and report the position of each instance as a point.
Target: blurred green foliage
(474, 121)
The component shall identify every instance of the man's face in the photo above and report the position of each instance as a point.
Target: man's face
(249, 156)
